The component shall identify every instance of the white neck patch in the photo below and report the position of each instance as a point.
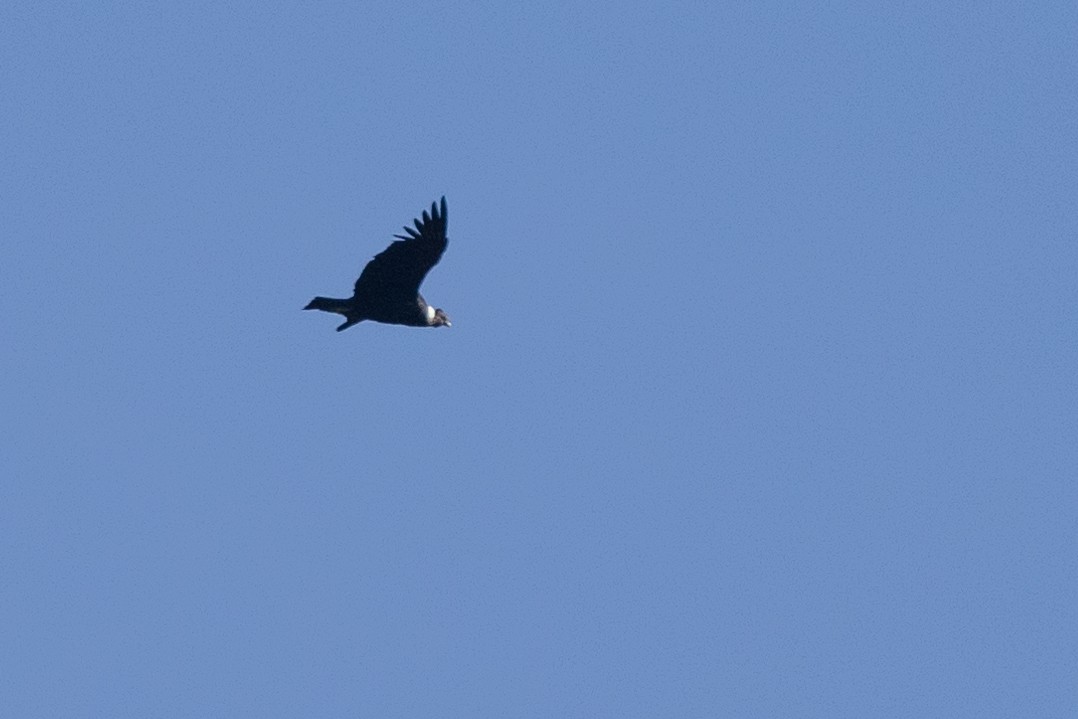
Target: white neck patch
(430, 313)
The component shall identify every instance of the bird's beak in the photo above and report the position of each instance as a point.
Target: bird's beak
(448, 323)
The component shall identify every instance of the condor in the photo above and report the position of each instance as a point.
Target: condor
(388, 289)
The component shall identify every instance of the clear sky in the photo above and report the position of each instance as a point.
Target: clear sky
(759, 400)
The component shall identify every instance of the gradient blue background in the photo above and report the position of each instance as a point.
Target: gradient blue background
(760, 397)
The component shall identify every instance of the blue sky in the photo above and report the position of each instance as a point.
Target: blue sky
(759, 399)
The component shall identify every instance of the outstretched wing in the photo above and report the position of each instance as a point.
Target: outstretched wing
(398, 270)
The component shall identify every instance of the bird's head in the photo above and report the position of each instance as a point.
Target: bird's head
(440, 318)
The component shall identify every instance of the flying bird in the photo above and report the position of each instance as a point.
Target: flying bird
(388, 288)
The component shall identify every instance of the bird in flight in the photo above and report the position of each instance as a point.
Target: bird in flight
(388, 288)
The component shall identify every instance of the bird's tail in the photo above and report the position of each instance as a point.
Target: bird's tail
(329, 304)
(341, 307)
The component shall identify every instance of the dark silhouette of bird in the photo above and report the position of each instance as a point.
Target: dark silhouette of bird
(388, 289)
